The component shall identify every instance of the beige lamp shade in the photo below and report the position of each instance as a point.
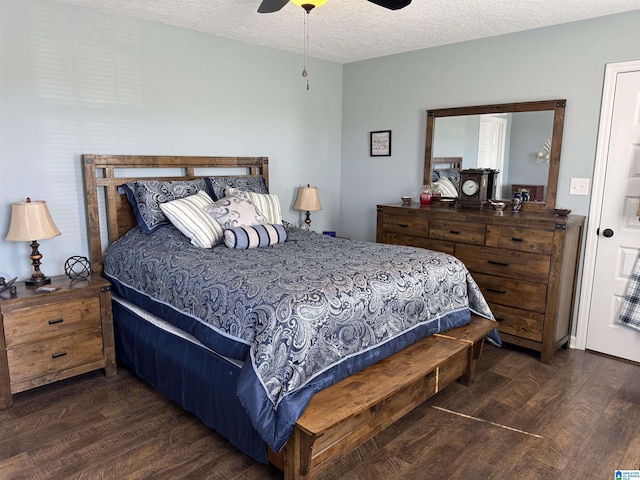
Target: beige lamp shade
(308, 199)
(31, 221)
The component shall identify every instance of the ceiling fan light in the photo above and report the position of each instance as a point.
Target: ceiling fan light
(313, 3)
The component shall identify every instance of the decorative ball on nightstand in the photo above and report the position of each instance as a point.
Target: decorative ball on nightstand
(77, 267)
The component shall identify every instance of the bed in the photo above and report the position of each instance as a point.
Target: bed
(258, 352)
(446, 175)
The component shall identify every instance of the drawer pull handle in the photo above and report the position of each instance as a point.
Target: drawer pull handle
(499, 319)
(502, 264)
(57, 320)
(455, 232)
(515, 239)
(58, 355)
(403, 225)
(494, 290)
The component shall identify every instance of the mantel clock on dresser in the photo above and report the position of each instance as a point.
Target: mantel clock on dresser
(473, 188)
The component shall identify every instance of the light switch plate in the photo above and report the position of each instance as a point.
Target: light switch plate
(579, 186)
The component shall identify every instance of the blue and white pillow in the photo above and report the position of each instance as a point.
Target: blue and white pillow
(235, 211)
(254, 236)
(218, 185)
(145, 197)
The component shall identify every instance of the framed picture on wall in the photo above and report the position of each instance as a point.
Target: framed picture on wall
(380, 143)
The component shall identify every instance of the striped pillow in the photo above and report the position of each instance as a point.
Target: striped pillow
(268, 204)
(188, 215)
(254, 236)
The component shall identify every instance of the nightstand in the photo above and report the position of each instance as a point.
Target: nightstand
(46, 337)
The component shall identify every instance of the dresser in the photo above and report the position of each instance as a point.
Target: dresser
(525, 263)
(46, 337)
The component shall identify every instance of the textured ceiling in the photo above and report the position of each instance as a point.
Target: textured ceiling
(345, 31)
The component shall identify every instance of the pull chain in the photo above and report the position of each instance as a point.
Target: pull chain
(307, 8)
(306, 46)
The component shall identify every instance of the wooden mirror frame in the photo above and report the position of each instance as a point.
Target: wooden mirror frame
(557, 106)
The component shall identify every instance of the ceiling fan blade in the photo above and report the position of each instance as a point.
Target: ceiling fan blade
(270, 6)
(391, 4)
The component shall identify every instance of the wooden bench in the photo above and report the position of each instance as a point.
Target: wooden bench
(347, 414)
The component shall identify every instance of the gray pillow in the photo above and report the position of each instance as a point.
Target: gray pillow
(218, 185)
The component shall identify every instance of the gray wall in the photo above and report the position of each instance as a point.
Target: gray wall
(393, 93)
(76, 81)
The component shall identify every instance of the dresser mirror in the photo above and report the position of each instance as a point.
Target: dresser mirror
(520, 140)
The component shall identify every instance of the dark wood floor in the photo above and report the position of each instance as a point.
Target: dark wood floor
(576, 418)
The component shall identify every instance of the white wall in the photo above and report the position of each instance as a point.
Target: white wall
(393, 93)
(74, 81)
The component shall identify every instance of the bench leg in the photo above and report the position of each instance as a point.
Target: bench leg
(297, 456)
(473, 354)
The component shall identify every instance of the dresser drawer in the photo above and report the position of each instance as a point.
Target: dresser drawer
(454, 231)
(514, 293)
(521, 323)
(422, 242)
(520, 238)
(53, 320)
(505, 263)
(50, 356)
(440, 246)
(405, 225)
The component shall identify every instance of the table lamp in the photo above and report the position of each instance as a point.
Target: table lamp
(31, 221)
(308, 200)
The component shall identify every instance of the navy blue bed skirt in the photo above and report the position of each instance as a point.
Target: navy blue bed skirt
(200, 381)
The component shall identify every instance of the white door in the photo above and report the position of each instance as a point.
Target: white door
(491, 144)
(615, 255)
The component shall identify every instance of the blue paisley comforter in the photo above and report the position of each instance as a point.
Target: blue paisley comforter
(302, 315)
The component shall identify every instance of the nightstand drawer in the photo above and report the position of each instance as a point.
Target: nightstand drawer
(50, 356)
(505, 263)
(406, 225)
(454, 231)
(513, 293)
(29, 325)
(518, 238)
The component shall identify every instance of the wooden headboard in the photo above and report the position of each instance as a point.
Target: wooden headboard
(454, 163)
(100, 178)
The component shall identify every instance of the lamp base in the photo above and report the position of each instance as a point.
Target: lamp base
(307, 221)
(36, 282)
(37, 277)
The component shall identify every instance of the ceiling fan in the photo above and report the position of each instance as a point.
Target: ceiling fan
(269, 6)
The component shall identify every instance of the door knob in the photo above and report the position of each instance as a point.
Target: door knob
(607, 232)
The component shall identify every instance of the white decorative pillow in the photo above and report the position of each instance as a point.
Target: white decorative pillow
(446, 187)
(235, 211)
(188, 215)
(268, 204)
(254, 236)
